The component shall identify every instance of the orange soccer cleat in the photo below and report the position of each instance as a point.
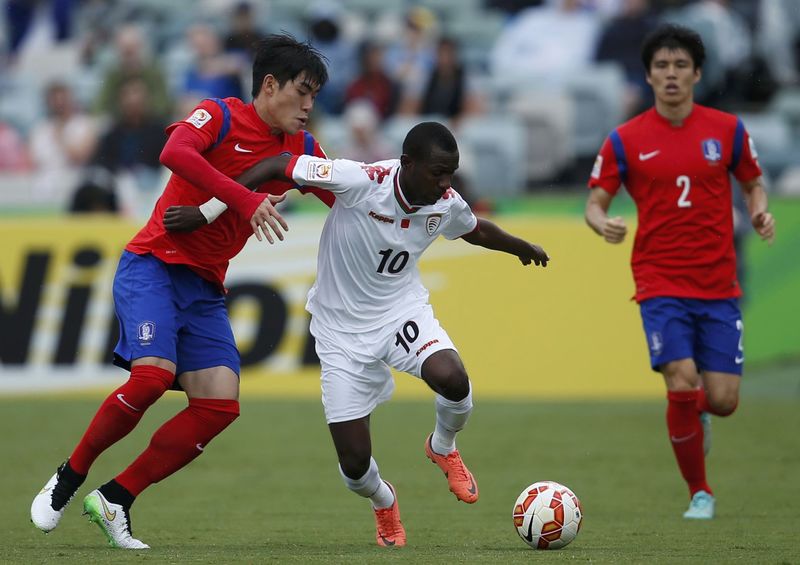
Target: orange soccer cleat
(462, 483)
(390, 531)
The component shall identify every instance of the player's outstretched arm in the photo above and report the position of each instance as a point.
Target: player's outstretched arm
(755, 195)
(613, 229)
(491, 236)
(190, 218)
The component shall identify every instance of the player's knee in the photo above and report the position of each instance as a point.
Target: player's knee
(355, 464)
(723, 404)
(454, 384)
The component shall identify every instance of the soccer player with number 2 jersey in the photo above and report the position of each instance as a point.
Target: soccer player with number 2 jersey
(675, 160)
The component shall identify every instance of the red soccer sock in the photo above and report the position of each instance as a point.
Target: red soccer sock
(686, 436)
(120, 413)
(704, 406)
(178, 442)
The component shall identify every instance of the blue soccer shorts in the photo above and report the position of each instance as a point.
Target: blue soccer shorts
(169, 311)
(708, 331)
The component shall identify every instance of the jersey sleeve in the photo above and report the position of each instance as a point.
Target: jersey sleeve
(744, 163)
(206, 120)
(460, 219)
(346, 179)
(609, 166)
(326, 196)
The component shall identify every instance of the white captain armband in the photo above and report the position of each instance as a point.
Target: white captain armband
(212, 209)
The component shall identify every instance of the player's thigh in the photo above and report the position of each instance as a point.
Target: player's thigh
(409, 343)
(146, 310)
(353, 380)
(669, 329)
(719, 346)
(215, 382)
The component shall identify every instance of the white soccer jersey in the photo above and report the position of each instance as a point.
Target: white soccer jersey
(367, 274)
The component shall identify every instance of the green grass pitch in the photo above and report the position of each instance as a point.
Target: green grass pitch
(268, 491)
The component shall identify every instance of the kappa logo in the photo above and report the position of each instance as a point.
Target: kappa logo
(320, 171)
(432, 223)
(241, 149)
(199, 118)
(146, 333)
(380, 217)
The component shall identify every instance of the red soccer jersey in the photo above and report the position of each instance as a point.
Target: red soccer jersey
(236, 140)
(679, 178)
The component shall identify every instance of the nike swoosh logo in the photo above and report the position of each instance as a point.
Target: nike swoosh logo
(110, 516)
(682, 439)
(121, 398)
(241, 149)
(529, 536)
(44, 490)
(739, 360)
(646, 156)
(387, 541)
(199, 446)
(472, 489)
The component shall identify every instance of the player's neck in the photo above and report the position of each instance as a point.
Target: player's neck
(261, 110)
(675, 114)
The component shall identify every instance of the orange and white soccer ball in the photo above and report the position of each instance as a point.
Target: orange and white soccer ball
(547, 515)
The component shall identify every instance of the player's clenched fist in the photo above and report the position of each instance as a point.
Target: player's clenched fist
(614, 230)
(267, 218)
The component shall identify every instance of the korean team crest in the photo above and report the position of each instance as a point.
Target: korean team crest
(712, 150)
(656, 343)
(146, 333)
(432, 223)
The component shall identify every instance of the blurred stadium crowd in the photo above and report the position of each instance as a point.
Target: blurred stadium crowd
(531, 87)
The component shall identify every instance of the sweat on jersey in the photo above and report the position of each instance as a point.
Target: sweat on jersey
(233, 138)
(679, 178)
(367, 273)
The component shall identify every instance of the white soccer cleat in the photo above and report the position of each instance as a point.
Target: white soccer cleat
(705, 421)
(48, 506)
(113, 519)
(701, 507)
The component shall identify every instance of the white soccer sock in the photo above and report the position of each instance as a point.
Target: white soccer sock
(451, 417)
(371, 486)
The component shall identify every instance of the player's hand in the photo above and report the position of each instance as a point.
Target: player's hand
(184, 218)
(614, 230)
(764, 224)
(534, 254)
(267, 218)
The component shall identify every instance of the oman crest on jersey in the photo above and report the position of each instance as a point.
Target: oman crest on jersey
(712, 150)
(432, 223)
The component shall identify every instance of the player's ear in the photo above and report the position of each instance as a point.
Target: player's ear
(269, 85)
(698, 74)
(405, 160)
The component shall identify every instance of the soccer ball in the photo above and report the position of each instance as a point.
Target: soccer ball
(547, 515)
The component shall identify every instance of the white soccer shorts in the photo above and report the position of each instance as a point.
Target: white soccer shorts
(356, 374)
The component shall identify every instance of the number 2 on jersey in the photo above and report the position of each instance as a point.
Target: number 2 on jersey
(685, 183)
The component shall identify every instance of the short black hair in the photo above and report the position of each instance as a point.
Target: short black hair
(673, 36)
(423, 136)
(285, 58)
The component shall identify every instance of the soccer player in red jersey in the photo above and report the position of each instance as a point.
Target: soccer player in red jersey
(675, 161)
(168, 289)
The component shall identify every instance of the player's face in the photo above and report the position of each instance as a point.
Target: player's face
(673, 76)
(288, 106)
(427, 180)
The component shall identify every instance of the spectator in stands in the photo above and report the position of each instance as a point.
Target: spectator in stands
(373, 83)
(244, 33)
(61, 144)
(132, 59)
(14, 156)
(778, 38)
(325, 33)
(95, 193)
(447, 91)
(213, 73)
(620, 41)
(365, 142)
(136, 136)
(545, 42)
(20, 16)
(410, 60)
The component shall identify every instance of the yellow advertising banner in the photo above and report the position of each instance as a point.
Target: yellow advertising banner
(567, 331)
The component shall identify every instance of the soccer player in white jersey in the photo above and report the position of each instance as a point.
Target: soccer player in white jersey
(369, 308)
